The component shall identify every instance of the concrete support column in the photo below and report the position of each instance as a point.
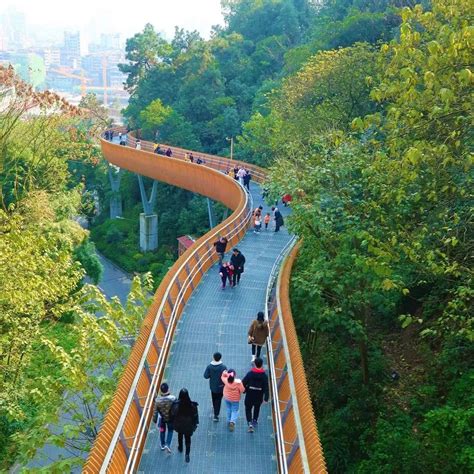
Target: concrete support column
(210, 212)
(115, 206)
(148, 232)
(148, 218)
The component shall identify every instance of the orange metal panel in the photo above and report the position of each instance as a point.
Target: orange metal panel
(296, 466)
(314, 449)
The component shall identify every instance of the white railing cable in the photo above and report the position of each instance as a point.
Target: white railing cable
(292, 385)
(279, 436)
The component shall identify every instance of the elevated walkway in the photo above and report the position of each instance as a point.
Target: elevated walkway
(218, 320)
(191, 317)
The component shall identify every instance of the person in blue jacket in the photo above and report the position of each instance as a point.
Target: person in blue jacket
(213, 372)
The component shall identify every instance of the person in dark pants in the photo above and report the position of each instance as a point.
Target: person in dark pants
(163, 406)
(247, 179)
(278, 220)
(213, 372)
(220, 246)
(258, 333)
(226, 272)
(256, 391)
(185, 420)
(237, 261)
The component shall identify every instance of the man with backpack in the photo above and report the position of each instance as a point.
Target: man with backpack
(163, 406)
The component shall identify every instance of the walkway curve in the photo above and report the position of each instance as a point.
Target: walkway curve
(120, 443)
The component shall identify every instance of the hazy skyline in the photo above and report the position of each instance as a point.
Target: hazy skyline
(118, 16)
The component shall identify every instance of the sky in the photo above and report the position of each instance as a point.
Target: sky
(93, 17)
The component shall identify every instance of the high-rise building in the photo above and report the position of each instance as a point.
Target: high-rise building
(109, 41)
(71, 50)
(13, 26)
(52, 57)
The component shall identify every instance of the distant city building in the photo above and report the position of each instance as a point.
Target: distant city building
(52, 57)
(100, 65)
(3, 38)
(71, 50)
(13, 33)
(110, 41)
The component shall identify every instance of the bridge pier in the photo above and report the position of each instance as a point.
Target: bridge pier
(148, 232)
(211, 213)
(115, 176)
(148, 218)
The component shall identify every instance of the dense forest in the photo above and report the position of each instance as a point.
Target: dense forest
(362, 111)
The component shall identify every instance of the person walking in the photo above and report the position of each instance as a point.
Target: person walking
(163, 406)
(225, 274)
(256, 392)
(278, 220)
(185, 418)
(237, 261)
(257, 224)
(220, 245)
(266, 220)
(258, 211)
(257, 334)
(213, 372)
(241, 175)
(247, 179)
(233, 390)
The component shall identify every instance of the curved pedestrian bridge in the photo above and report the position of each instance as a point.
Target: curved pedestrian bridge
(190, 319)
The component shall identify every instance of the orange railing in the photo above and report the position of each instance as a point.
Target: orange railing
(121, 439)
(302, 451)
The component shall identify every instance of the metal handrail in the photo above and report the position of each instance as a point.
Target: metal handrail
(242, 222)
(142, 427)
(179, 153)
(292, 386)
(279, 437)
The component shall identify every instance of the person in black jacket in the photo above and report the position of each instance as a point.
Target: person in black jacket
(185, 420)
(220, 246)
(213, 372)
(237, 261)
(278, 220)
(247, 179)
(256, 391)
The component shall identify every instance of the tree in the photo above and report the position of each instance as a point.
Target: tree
(103, 335)
(144, 51)
(153, 116)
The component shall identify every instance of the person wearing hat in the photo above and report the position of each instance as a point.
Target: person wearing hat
(163, 406)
